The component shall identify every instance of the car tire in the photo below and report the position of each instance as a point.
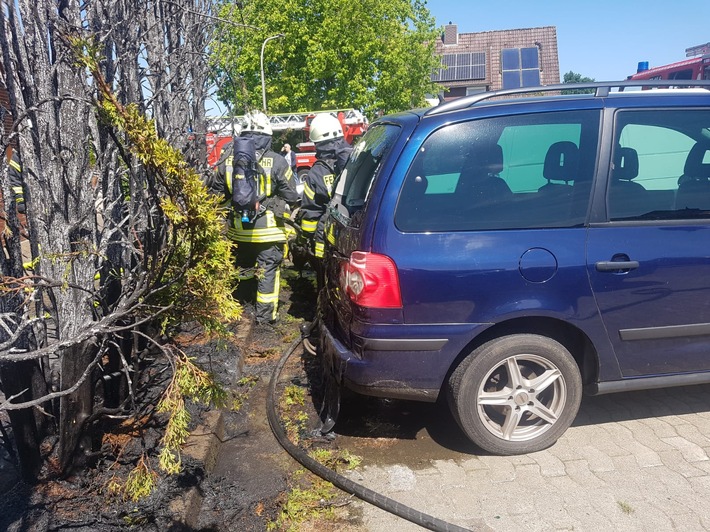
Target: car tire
(516, 394)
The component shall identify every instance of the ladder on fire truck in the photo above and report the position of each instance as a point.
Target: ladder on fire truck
(225, 125)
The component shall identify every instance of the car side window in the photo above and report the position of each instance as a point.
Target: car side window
(513, 172)
(352, 187)
(660, 166)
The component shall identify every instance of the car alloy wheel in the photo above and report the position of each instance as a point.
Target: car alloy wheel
(516, 394)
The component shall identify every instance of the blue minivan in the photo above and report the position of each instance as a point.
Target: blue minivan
(514, 249)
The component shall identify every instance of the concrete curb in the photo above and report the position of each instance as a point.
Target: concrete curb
(203, 446)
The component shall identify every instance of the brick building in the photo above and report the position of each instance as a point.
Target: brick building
(492, 60)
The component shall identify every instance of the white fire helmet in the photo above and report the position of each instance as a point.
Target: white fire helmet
(325, 127)
(257, 122)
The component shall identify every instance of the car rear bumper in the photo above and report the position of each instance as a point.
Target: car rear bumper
(400, 367)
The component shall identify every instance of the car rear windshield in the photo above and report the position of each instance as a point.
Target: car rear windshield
(352, 187)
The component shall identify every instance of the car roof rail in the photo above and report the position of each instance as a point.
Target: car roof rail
(601, 90)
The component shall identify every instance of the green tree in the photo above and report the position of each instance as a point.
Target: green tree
(372, 55)
(574, 77)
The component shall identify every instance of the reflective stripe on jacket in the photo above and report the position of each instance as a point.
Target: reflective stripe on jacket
(15, 178)
(317, 190)
(275, 180)
(265, 228)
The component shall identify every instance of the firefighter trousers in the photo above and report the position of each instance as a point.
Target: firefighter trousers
(260, 263)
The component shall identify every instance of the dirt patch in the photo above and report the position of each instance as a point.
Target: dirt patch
(250, 480)
(247, 485)
(255, 484)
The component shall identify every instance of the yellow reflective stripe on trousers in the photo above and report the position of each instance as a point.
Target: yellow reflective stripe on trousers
(15, 165)
(273, 297)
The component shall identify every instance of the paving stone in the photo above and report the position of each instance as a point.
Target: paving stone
(675, 461)
(449, 469)
(550, 465)
(474, 464)
(608, 444)
(660, 427)
(643, 515)
(701, 421)
(500, 469)
(401, 478)
(467, 501)
(588, 517)
(647, 436)
(564, 484)
(690, 451)
(596, 460)
(533, 522)
(428, 472)
(560, 520)
(578, 470)
(691, 432)
(566, 447)
(644, 456)
(633, 472)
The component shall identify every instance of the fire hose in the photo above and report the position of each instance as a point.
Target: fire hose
(338, 480)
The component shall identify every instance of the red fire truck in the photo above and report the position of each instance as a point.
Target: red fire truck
(697, 67)
(354, 125)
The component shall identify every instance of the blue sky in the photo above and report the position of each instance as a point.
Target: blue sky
(603, 39)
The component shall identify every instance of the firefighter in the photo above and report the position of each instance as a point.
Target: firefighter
(332, 153)
(260, 239)
(15, 177)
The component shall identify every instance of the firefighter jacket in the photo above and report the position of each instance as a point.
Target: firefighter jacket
(15, 177)
(277, 193)
(318, 189)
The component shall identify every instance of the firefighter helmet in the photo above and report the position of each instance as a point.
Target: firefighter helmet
(257, 122)
(325, 127)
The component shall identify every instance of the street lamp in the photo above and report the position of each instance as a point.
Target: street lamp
(263, 83)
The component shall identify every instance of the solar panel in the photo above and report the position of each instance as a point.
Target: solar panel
(520, 67)
(510, 59)
(463, 66)
(529, 58)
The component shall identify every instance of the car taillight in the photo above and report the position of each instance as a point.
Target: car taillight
(371, 280)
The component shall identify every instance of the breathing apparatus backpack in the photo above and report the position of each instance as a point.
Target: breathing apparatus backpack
(245, 175)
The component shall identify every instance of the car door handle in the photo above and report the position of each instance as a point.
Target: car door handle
(615, 266)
